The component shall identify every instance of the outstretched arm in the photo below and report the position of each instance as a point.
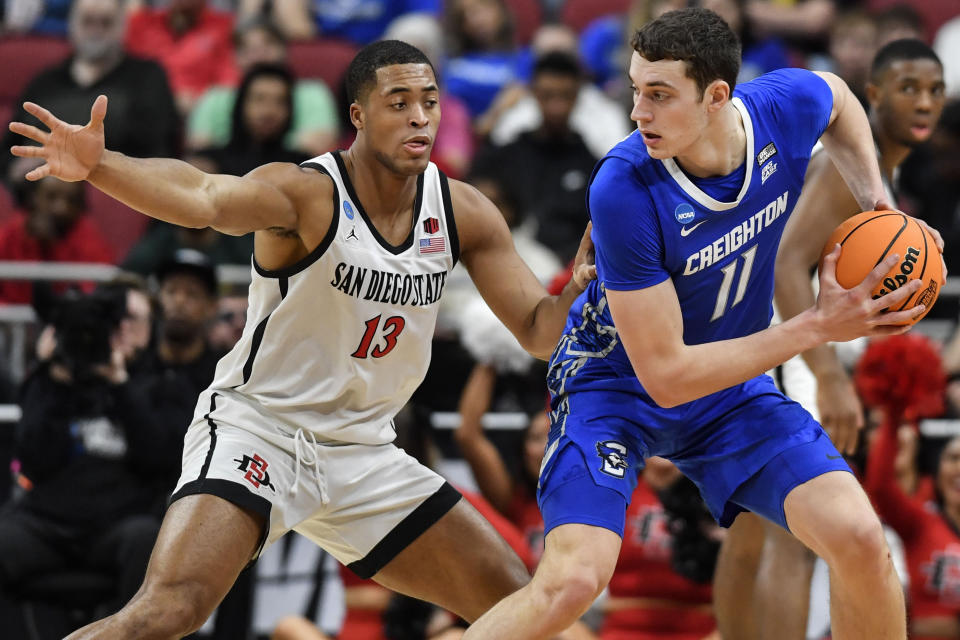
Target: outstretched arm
(506, 282)
(165, 189)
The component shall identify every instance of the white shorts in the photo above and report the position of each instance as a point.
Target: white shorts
(798, 383)
(362, 503)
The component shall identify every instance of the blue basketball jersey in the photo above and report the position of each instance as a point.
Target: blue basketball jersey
(716, 239)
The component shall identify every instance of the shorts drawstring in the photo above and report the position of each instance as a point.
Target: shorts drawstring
(301, 445)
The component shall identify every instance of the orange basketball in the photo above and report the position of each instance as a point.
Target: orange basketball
(867, 238)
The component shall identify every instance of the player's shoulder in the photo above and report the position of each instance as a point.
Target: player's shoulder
(781, 90)
(625, 169)
(308, 180)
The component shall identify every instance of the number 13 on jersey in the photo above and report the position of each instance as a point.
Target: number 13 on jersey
(392, 327)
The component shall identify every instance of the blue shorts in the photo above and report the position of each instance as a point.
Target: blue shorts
(748, 460)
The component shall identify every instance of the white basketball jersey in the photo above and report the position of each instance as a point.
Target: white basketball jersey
(337, 343)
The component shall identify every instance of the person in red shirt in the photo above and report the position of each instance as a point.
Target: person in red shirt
(902, 378)
(648, 599)
(191, 41)
(513, 495)
(50, 227)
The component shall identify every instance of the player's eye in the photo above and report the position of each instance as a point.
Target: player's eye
(909, 89)
(432, 103)
(399, 106)
(937, 91)
(659, 96)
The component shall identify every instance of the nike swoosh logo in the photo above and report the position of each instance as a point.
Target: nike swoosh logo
(685, 232)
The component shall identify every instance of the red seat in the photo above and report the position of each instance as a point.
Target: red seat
(120, 225)
(579, 13)
(22, 57)
(326, 59)
(527, 16)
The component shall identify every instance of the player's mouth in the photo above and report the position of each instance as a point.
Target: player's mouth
(650, 138)
(920, 130)
(417, 145)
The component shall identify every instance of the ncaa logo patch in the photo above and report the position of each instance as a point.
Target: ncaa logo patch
(684, 212)
(614, 457)
(348, 209)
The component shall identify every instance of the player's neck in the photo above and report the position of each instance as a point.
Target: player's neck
(892, 153)
(383, 194)
(720, 149)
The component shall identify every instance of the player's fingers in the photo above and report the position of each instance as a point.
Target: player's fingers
(98, 111)
(28, 151)
(39, 173)
(898, 317)
(828, 270)
(879, 272)
(30, 131)
(943, 267)
(42, 114)
(937, 238)
(885, 330)
(895, 297)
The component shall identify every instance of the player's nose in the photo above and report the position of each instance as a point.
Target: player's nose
(418, 116)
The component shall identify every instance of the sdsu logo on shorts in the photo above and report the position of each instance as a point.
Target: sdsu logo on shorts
(256, 471)
(614, 456)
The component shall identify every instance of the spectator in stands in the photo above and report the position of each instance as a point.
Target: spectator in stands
(262, 118)
(545, 171)
(483, 55)
(231, 319)
(804, 23)
(453, 147)
(359, 21)
(928, 527)
(899, 22)
(314, 129)
(853, 43)
(91, 450)
(138, 89)
(947, 46)
(760, 55)
(599, 120)
(510, 486)
(48, 17)
(51, 226)
(648, 597)
(192, 42)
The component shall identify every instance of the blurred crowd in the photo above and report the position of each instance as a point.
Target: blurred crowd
(534, 93)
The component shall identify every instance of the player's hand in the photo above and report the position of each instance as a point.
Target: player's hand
(69, 151)
(845, 314)
(883, 205)
(840, 411)
(584, 269)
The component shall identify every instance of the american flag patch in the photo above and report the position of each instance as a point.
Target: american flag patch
(432, 245)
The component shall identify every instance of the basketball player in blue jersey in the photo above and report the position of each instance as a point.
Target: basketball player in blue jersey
(296, 430)
(906, 97)
(665, 353)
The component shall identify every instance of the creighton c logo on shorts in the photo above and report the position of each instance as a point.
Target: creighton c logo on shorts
(614, 456)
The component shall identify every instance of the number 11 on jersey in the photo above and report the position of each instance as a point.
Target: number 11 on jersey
(392, 327)
(728, 272)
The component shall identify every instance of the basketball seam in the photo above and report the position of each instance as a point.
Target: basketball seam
(894, 239)
(850, 233)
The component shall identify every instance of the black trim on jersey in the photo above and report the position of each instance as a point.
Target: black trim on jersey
(235, 493)
(409, 529)
(213, 438)
(321, 248)
(780, 379)
(257, 339)
(417, 202)
(284, 286)
(448, 214)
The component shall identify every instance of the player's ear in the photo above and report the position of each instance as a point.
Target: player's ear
(356, 116)
(717, 94)
(873, 94)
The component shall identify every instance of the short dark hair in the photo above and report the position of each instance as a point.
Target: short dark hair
(361, 75)
(559, 63)
(698, 37)
(905, 49)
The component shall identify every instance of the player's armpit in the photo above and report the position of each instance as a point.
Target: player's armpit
(504, 280)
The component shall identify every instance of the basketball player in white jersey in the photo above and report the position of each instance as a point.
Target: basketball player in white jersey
(352, 251)
(763, 576)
